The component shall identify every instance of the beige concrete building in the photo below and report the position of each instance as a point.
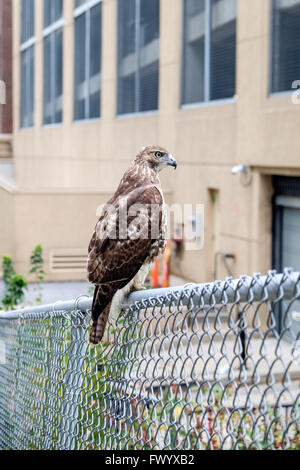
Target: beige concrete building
(65, 167)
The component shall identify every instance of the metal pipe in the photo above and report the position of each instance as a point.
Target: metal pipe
(235, 290)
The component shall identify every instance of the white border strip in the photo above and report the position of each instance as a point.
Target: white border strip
(85, 6)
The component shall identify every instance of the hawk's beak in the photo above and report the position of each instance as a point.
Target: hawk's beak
(171, 161)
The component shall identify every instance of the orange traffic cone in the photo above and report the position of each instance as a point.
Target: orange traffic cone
(154, 274)
(166, 268)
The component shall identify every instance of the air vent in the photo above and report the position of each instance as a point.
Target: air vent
(68, 260)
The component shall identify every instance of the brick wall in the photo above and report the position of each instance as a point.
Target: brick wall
(6, 65)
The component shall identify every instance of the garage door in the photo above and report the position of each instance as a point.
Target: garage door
(289, 256)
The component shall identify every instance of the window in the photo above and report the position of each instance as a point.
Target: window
(138, 56)
(87, 68)
(53, 61)
(285, 44)
(27, 63)
(52, 11)
(209, 50)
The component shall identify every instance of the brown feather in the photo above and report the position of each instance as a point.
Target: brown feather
(114, 261)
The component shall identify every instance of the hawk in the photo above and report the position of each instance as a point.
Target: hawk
(128, 236)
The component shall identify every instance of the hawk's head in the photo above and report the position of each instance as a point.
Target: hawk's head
(156, 157)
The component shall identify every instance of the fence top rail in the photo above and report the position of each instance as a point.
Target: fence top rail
(247, 288)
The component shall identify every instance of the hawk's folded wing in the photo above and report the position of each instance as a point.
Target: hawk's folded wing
(128, 232)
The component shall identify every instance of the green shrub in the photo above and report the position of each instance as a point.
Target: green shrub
(37, 268)
(7, 269)
(14, 292)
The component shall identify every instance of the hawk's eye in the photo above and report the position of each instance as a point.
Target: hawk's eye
(157, 154)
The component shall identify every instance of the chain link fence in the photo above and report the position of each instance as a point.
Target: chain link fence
(210, 366)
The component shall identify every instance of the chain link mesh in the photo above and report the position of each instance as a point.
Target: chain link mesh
(211, 366)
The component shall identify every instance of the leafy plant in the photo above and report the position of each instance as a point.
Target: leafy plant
(37, 268)
(15, 284)
(14, 293)
(7, 269)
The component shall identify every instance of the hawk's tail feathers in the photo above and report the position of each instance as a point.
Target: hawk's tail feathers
(99, 320)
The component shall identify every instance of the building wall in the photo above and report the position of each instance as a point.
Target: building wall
(6, 65)
(60, 164)
(62, 222)
(6, 190)
(6, 121)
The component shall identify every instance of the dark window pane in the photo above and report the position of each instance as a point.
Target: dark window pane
(87, 89)
(95, 62)
(127, 95)
(47, 12)
(127, 60)
(53, 44)
(149, 24)
(286, 44)
(209, 50)
(47, 81)
(126, 27)
(52, 11)
(223, 49)
(78, 3)
(58, 9)
(23, 88)
(80, 85)
(149, 54)
(149, 87)
(58, 74)
(194, 7)
(138, 55)
(27, 64)
(27, 20)
(193, 51)
(31, 86)
(27, 87)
